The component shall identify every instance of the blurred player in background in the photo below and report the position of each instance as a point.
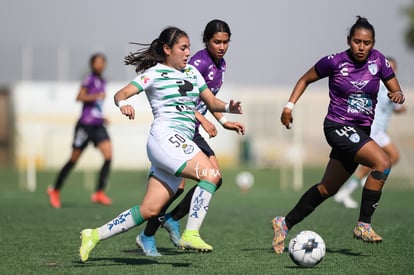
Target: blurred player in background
(211, 64)
(173, 89)
(89, 128)
(354, 80)
(383, 111)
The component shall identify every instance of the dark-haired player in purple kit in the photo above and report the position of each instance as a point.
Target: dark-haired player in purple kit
(354, 79)
(211, 64)
(89, 128)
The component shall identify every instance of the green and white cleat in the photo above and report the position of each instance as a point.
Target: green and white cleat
(89, 239)
(191, 240)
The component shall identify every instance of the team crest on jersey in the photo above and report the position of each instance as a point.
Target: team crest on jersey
(373, 68)
(189, 72)
(188, 149)
(354, 138)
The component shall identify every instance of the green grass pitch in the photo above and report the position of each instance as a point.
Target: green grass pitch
(36, 239)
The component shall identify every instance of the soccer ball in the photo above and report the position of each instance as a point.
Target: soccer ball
(245, 181)
(307, 249)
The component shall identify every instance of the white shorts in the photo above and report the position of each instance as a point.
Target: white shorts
(169, 152)
(381, 138)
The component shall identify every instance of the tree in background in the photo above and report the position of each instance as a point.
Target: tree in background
(409, 34)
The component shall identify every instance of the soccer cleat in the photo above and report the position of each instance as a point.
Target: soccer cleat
(281, 230)
(54, 197)
(363, 231)
(147, 243)
(100, 197)
(191, 240)
(173, 228)
(345, 200)
(89, 239)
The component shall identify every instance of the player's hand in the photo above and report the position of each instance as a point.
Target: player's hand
(209, 128)
(235, 126)
(235, 107)
(286, 118)
(397, 97)
(106, 121)
(128, 111)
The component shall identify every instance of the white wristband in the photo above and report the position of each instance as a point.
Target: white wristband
(290, 105)
(122, 103)
(227, 108)
(223, 120)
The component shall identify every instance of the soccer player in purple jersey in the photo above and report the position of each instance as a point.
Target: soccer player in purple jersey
(211, 64)
(354, 79)
(90, 128)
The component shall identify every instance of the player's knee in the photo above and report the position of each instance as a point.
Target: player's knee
(149, 212)
(394, 158)
(381, 175)
(326, 191)
(219, 184)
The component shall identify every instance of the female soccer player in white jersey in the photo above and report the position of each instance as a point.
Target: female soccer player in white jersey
(354, 79)
(385, 108)
(173, 88)
(211, 64)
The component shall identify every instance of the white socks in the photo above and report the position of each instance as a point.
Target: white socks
(199, 205)
(122, 223)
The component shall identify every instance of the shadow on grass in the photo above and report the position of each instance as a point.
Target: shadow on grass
(124, 261)
(344, 251)
(269, 250)
(163, 251)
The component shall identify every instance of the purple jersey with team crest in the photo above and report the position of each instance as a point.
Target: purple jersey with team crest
(353, 87)
(92, 111)
(212, 74)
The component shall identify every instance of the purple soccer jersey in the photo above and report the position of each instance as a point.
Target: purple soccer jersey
(92, 111)
(212, 74)
(353, 87)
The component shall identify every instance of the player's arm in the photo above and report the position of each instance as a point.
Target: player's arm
(206, 124)
(229, 125)
(83, 95)
(120, 100)
(300, 87)
(216, 105)
(394, 90)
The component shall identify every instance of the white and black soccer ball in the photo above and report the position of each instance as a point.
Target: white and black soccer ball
(307, 249)
(245, 181)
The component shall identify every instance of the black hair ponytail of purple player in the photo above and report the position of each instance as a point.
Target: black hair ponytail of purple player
(362, 23)
(153, 53)
(213, 27)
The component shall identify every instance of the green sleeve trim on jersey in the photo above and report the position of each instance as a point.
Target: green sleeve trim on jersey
(136, 84)
(180, 170)
(203, 88)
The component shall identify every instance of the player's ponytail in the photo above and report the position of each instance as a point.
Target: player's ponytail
(153, 53)
(361, 23)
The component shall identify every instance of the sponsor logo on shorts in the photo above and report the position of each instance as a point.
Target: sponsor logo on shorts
(188, 149)
(354, 138)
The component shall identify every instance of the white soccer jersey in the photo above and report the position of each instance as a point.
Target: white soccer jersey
(383, 111)
(173, 96)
